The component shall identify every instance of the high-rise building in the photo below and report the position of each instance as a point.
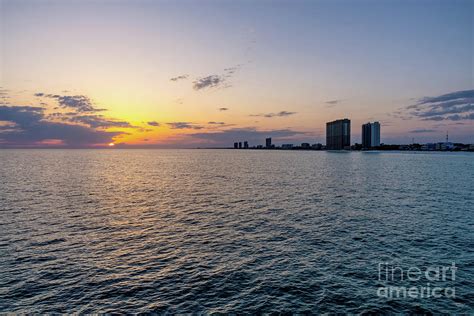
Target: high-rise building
(338, 134)
(371, 135)
(366, 135)
(246, 144)
(268, 142)
(240, 145)
(236, 145)
(375, 137)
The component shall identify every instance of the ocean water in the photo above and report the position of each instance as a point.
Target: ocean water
(231, 231)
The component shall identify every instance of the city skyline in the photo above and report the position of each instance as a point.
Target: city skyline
(338, 137)
(150, 74)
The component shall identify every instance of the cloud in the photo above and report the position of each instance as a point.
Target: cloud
(153, 123)
(433, 112)
(332, 103)
(419, 131)
(223, 109)
(4, 96)
(80, 103)
(3, 92)
(7, 126)
(184, 125)
(448, 97)
(213, 125)
(453, 106)
(386, 123)
(92, 120)
(33, 129)
(279, 114)
(216, 81)
(228, 72)
(98, 121)
(182, 77)
(211, 81)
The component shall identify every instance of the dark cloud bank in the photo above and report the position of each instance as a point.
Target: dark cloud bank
(78, 126)
(31, 127)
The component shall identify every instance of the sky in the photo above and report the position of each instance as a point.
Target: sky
(185, 74)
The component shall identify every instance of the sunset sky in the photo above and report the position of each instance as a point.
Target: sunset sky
(208, 73)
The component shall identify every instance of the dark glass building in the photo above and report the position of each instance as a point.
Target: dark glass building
(268, 142)
(338, 134)
(366, 134)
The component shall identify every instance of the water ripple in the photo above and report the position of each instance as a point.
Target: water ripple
(209, 231)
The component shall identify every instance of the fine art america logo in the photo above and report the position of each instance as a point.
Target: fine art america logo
(432, 279)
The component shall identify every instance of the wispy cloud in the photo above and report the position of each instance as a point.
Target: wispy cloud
(4, 96)
(223, 109)
(332, 103)
(455, 106)
(181, 77)
(98, 121)
(184, 125)
(228, 72)
(153, 123)
(215, 123)
(3, 92)
(422, 130)
(279, 114)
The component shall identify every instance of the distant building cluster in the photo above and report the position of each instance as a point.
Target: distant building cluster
(238, 145)
(437, 146)
(338, 137)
